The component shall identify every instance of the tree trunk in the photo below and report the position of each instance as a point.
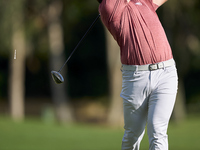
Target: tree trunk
(179, 112)
(57, 59)
(17, 63)
(169, 20)
(115, 116)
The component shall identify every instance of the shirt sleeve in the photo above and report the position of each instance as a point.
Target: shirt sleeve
(109, 9)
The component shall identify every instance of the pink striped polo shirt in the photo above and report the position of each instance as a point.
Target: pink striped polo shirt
(137, 29)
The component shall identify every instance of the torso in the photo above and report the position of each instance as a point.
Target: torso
(137, 30)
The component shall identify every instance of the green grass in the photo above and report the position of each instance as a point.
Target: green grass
(35, 135)
(185, 135)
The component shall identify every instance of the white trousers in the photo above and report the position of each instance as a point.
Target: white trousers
(148, 99)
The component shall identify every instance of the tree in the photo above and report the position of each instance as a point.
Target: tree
(57, 58)
(17, 66)
(115, 116)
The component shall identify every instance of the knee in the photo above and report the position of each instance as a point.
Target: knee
(157, 130)
(131, 140)
(131, 136)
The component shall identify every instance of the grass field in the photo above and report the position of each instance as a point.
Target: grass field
(35, 135)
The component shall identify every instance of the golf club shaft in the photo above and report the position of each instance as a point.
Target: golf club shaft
(80, 41)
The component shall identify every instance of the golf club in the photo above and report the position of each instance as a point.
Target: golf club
(57, 77)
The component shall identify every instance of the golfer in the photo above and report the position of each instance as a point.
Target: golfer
(149, 84)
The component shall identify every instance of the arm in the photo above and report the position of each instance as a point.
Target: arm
(159, 2)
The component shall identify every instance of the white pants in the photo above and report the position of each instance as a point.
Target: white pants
(148, 99)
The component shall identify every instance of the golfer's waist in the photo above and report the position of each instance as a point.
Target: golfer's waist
(149, 67)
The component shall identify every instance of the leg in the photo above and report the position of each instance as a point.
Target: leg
(161, 104)
(135, 122)
(134, 94)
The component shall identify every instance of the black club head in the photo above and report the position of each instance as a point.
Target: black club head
(57, 77)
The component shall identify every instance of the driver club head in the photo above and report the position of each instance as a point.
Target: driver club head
(57, 77)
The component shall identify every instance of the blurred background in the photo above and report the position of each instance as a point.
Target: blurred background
(38, 36)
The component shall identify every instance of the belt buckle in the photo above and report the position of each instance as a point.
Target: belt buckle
(153, 67)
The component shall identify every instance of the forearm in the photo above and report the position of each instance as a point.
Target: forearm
(159, 2)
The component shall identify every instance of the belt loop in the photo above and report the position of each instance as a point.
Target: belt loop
(163, 65)
(136, 68)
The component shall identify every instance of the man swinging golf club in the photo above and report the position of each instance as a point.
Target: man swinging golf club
(148, 70)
